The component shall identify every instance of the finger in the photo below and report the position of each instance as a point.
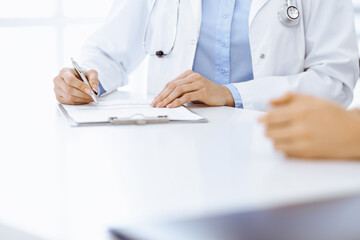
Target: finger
(178, 92)
(72, 80)
(182, 76)
(284, 147)
(296, 149)
(65, 98)
(171, 87)
(188, 97)
(283, 115)
(289, 148)
(71, 91)
(93, 78)
(83, 99)
(280, 134)
(287, 98)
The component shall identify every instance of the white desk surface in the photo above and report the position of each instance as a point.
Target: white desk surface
(63, 183)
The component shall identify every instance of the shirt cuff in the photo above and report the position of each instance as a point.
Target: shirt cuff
(101, 89)
(236, 95)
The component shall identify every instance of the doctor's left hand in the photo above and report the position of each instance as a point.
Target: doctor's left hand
(189, 87)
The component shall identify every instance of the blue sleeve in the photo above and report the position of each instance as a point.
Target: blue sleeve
(101, 89)
(236, 95)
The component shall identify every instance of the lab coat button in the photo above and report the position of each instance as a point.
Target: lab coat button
(262, 56)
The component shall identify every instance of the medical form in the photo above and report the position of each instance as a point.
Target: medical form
(126, 109)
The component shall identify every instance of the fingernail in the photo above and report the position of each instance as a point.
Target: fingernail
(159, 105)
(88, 91)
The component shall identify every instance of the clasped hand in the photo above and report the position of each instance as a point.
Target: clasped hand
(192, 87)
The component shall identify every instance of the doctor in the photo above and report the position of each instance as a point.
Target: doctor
(241, 53)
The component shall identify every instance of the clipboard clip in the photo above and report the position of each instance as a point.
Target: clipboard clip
(138, 119)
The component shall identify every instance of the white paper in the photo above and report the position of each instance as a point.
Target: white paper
(102, 111)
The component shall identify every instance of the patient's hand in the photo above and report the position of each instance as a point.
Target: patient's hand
(308, 127)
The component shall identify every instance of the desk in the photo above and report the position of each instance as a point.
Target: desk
(56, 184)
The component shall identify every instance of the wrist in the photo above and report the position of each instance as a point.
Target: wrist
(229, 99)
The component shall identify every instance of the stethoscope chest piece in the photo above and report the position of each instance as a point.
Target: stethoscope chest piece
(289, 15)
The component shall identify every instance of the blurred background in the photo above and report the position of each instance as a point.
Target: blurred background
(39, 36)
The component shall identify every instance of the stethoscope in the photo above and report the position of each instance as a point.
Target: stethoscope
(289, 15)
(161, 53)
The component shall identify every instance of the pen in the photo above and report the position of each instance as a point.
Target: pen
(83, 78)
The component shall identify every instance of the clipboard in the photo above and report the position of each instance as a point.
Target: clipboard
(136, 119)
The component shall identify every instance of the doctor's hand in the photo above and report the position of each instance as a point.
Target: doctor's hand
(307, 127)
(189, 87)
(70, 90)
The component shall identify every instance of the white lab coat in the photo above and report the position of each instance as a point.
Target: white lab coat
(318, 57)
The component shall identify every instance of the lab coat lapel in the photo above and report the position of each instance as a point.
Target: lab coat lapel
(256, 5)
(196, 6)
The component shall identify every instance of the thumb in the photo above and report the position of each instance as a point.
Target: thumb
(287, 98)
(92, 76)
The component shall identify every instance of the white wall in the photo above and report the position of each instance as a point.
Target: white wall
(38, 38)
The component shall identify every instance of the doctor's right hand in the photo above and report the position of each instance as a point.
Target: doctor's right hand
(70, 90)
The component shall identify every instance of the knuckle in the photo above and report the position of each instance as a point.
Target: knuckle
(178, 102)
(201, 84)
(93, 73)
(203, 92)
(67, 89)
(172, 85)
(188, 71)
(179, 90)
(68, 78)
(83, 88)
(196, 75)
(64, 71)
(186, 97)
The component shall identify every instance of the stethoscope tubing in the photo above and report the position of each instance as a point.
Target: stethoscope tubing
(161, 53)
(284, 18)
